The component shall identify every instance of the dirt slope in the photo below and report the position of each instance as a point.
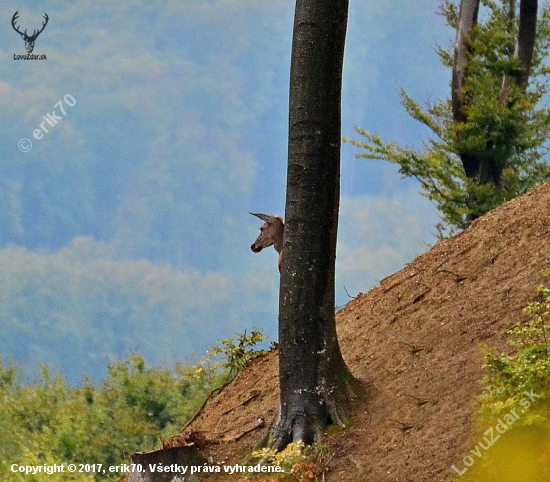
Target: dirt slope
(413, 342)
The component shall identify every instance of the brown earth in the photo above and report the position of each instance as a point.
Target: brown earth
(414, 344)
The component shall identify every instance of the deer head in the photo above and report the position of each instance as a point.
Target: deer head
(271, 234)
(29, 39)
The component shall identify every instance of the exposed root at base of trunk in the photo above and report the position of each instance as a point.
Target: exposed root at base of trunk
(332, 407)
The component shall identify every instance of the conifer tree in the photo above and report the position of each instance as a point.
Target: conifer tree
(489, 137)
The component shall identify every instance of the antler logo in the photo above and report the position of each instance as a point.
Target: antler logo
(29, 39)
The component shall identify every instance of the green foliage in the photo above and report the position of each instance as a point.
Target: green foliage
(238, 355)
(508, 128)
(528, 368)
(50, 422)
(514, 427)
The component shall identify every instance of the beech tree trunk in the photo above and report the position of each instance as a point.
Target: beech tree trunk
(315, 383)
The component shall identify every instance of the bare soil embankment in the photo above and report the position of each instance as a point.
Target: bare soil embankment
(414, 344)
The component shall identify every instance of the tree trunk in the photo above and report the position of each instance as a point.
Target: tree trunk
(526, 39)
(525, 45)
(315, 383)
(467, 19)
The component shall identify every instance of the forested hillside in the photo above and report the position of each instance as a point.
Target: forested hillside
(125, 226)
(81, 307)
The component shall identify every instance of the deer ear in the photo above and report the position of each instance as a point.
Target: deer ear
(263, 217)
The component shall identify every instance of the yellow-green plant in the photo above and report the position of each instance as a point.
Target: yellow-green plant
(237, 354)
(299, 462)
(509, 376)
(512, 441)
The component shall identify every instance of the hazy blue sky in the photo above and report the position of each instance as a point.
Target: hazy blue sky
(206, 82)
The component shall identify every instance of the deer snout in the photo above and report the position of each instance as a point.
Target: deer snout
(255, 249)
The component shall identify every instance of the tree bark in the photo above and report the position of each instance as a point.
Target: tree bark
(525, 45)
(315, 383)
(526, 39)
(467, 19)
